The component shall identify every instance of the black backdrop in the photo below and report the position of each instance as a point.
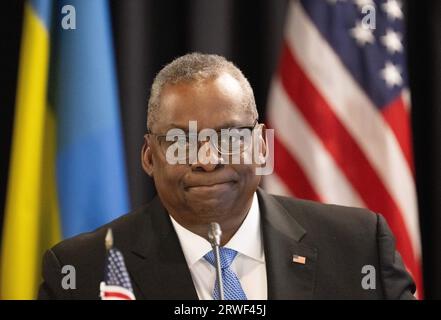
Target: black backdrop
(149, 33)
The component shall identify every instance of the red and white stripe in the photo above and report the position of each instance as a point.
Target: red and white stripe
(115, 293)
(333, 145)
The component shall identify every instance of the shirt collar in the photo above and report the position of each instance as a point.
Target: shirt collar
(247, 240)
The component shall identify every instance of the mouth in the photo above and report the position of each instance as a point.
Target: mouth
(210, 188)
(211, 184)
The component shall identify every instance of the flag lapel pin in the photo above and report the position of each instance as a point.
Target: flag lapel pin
(298, 259)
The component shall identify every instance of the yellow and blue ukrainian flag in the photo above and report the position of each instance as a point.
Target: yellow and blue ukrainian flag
(67, 171)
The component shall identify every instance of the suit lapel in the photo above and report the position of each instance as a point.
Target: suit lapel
(156, 262)
(282, 235)
(159, 270)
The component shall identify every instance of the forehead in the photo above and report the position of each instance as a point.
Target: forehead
(213, 103)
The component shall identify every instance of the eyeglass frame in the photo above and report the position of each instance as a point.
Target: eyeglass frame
(251, 128)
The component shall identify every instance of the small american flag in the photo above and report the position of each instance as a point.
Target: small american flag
(116, 284)
(298, 259)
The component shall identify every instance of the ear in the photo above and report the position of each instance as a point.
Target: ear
(262, 144)
(146, 156)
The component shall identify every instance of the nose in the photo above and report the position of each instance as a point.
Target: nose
(208, 158)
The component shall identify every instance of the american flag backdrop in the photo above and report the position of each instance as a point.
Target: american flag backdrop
(339, 106)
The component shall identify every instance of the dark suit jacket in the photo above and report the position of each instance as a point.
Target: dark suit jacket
(336, 241)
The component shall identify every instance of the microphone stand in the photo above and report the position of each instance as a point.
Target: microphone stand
(214, 235)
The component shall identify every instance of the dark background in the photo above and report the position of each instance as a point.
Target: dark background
(148, 34)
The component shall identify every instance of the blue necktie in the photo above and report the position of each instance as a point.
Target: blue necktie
(232, 288)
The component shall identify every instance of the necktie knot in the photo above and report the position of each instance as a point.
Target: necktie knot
(227, 256)
(232, 288)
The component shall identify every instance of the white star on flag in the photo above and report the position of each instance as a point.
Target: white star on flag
(362, 34)
(393, 9)
(363, 3)
(391, 74)
(392, 41)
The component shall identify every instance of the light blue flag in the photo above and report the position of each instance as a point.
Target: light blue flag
(91, 175)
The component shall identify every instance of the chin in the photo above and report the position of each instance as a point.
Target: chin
(211, 207)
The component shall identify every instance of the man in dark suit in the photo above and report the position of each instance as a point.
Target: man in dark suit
(272, 247)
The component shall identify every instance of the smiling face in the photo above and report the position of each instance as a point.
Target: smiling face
(197, 194)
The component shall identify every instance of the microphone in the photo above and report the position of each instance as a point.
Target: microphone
(214, 236)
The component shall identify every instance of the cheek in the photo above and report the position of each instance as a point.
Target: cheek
(247, 156)
(249, 181)
(252, 155)
(243, 158)
(168, 176)
(247, 174)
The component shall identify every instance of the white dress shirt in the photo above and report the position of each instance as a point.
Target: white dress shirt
(249, 264)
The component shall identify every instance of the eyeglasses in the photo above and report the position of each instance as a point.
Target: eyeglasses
(226, 141)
